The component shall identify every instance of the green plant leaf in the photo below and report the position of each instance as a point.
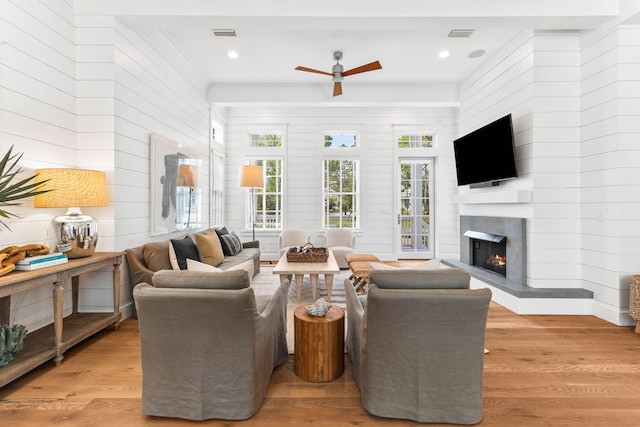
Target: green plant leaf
(11, 191)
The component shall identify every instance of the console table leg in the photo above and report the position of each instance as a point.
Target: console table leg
(116, 291)
(58, 308)
(75, 286)
(5, 310)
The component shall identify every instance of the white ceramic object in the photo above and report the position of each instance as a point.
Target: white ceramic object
(319, 308)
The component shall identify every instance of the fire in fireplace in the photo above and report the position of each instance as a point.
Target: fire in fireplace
(489, 251)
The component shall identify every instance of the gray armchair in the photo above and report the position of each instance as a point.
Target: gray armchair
(417, 349)
(209, 346)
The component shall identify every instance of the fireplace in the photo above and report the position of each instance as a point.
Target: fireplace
(488, 251)
(495, 244)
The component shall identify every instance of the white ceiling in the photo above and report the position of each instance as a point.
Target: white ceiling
(273, 37)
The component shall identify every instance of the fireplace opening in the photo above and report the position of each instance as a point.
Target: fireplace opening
(490, 256)
(489, 251)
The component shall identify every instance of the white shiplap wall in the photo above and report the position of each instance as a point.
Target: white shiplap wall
(37, 117)
(610, 193)
(82, 91)
(303, 170)
(574, 99)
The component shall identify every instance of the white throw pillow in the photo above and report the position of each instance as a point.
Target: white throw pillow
(432, 264)
(380, 266)
(193, 265)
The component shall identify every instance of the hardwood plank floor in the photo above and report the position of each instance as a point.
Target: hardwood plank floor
(541, 371)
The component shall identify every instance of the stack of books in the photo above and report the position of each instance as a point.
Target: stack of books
(41, 261)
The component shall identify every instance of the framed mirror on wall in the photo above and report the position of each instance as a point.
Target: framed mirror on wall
(176, 193)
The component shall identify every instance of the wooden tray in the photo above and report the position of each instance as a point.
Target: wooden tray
(308, 255)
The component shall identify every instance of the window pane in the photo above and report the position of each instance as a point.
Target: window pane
(340, 140)
(415, 141)
(266, 140)
(340, 193)
(267, 201)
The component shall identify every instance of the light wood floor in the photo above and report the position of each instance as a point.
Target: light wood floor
(541, 371)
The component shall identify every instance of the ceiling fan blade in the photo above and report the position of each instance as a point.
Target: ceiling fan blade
(363, 68)
(337, 88)
(311, 70)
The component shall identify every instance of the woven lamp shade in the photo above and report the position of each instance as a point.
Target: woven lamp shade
(71, 187)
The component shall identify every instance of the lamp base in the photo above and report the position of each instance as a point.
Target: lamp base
(78, 234)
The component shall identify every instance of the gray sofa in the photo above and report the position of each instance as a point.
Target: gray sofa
(208, 345)
(143, 261)
(416, 342)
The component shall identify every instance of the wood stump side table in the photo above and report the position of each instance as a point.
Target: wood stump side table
(319, 345)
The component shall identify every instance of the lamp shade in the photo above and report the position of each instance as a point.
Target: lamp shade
(71, 187)
(251, 176)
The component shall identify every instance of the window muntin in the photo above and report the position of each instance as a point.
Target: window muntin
(340, 193)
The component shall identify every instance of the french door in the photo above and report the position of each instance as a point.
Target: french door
(415, 223)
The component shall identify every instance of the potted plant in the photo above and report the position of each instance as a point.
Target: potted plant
(12, 189)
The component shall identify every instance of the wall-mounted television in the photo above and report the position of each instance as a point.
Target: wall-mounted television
(486, 155)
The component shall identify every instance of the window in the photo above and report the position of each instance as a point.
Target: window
(217, 188)
(340, 193)
(340, 140)
(267, 140)
(415, 141)
(268, 200)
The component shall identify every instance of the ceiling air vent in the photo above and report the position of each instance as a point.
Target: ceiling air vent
(460, 33)
(224, 33)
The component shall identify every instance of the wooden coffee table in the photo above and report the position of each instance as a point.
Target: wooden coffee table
(288, 269)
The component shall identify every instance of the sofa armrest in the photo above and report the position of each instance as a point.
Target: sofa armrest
(273, 325)
(355, 329)
(251, 244)
(138, 271)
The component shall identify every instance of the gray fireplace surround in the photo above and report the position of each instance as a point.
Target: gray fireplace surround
(515, 282)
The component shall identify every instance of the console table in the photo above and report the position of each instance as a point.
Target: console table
(50, 342)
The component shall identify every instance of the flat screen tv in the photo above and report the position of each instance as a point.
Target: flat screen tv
(486, 155)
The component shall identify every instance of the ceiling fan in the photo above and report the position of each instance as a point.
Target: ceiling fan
(338, 74)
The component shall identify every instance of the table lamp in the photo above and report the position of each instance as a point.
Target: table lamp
(251, 176)
(73, 189)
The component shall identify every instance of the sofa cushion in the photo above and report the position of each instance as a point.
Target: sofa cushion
(180, 250)
(210, 248)
(235, 279)
(231, 244)
(447, 278)
(156, 255)
(246, 266)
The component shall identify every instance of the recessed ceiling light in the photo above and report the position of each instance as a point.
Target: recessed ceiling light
(232, 54)
(476, 53)
(443, 54)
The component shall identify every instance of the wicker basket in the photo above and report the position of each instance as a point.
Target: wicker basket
(634, 297)
(308, 255)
